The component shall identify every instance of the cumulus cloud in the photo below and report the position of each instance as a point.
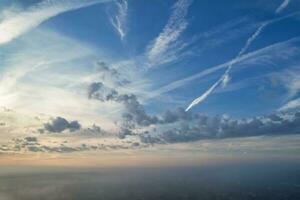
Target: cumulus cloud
(95, 131)
(205, 127)
(134, 112)
(60, 124)
(100, 92)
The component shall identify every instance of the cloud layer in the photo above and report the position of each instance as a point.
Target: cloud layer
(193, 127)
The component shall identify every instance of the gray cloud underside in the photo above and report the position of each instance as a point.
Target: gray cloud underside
(60, 124)
(32, 144)
(187, 127)
(195, 127)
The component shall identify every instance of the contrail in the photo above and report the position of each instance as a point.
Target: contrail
(284, 4)
(225, 77)
(205, 94)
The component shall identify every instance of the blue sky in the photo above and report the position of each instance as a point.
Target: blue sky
(96, 62)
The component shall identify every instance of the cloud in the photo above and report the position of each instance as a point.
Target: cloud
(205, 127)
(134, 111)
(158, 49)
(291, 105)
(171, 116)
(22, 22)
(35, 73)
(205, 94)
(109, 75)
(226, 77)
(282, 6)
(31, 139)
(60, 124)
(119, 20)
(251, 57)
(100, 92)
(289, 79)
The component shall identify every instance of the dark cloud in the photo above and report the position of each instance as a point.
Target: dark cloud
(110, 74)
(176, 115)
(204, 127)
(124, 132)
(94, 130)
(31, 139)
(135, 111)
(93, 88)
(100, 92)
(60, 124)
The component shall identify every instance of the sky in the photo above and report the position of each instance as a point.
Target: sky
(144, 80)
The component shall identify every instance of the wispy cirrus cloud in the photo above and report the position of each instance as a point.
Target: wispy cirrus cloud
(289, 79)
(290, 105)
(119, 20)
(21, 22)
(158, 49)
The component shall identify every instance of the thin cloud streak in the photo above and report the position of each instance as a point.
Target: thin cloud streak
(20, 23)
(290, 105)
(205, 95)
(119, 21)
(171, 32)
(226, 77)
(284, 4)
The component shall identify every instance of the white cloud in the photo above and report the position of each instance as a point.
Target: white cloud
(157, 50)
(19, 23)
(119, 21)
(290, 79)
(291, 105)
(204, 95)
(282, 6)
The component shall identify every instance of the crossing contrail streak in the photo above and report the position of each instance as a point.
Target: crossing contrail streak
(226, 77)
